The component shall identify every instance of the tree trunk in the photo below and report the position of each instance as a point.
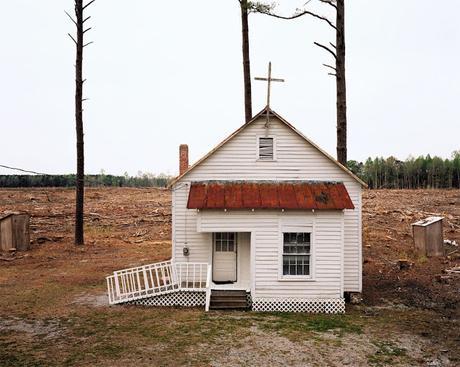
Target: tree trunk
(80, 182)
(341, 85)
(246, 60)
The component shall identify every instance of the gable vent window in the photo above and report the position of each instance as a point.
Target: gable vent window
(266, 149)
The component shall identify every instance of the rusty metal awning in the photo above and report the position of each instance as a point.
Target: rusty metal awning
(323, 195)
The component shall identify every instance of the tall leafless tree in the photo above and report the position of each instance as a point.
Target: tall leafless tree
(337, 50)
(79, 22)
(245, 6)
(341, 83)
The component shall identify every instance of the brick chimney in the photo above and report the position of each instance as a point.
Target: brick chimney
(183, 158)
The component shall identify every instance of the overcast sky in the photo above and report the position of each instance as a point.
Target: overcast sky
(162, 73)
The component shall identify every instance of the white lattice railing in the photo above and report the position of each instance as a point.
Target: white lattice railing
(155, 279)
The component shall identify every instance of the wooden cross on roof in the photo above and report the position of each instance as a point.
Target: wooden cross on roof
(269, 79)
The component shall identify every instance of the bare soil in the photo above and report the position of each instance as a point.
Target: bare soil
(53, 309)
(387, 238)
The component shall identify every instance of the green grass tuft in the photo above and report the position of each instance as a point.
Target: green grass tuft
(286, 323)
(386, 353)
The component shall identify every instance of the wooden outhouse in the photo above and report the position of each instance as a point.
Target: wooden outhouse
(428, 237)
(14, 232)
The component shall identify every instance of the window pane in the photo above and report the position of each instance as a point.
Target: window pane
(296, 265)
(285, 238)
(285, 265)
(225, 241)
(285, 270)
(296, 243)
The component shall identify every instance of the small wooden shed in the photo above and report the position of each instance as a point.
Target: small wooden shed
(428, 236)
(14, 232)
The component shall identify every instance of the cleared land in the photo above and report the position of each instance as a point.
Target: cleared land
(53, 308)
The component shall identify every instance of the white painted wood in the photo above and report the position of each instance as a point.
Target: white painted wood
(253, 249)
(337, 234)
(327, 241)
(244, 260)
(156, 279)
(208, 287)
(224, 263)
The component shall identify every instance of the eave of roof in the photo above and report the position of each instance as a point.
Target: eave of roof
(236, 132)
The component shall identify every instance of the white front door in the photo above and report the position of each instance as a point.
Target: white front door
(224, 257)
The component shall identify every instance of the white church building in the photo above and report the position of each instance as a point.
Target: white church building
(266, 221)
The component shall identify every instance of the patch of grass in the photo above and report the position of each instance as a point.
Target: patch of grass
(123, 331)
(386, 353)
(16, 349)
(290, 323)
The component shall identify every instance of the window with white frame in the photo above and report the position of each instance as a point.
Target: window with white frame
(224, 241)
(296, 254)
(266, 148)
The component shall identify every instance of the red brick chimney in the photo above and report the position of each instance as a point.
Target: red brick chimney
(183, 158)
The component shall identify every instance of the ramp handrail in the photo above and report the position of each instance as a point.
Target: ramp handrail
(208, 288)
(154, 279)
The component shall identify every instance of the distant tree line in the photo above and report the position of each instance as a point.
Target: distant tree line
(379, 173)
(413, 173)
(102, 179)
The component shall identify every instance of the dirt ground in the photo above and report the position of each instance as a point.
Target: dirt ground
(53, 308)
(387, 238)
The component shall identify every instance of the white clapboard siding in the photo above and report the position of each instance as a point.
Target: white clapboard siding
(296, 159)
(267, 227)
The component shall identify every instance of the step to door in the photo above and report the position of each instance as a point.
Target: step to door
(229, 292)
(229, 300)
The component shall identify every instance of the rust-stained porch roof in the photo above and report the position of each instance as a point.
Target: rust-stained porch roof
(269, 195)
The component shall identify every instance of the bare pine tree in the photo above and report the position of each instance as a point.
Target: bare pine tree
(337, 50)
(341, 83)
(79, 22)
(244, 5)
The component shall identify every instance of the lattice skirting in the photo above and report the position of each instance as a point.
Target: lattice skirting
(180, 298)
(333, 305)
(249, 299)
